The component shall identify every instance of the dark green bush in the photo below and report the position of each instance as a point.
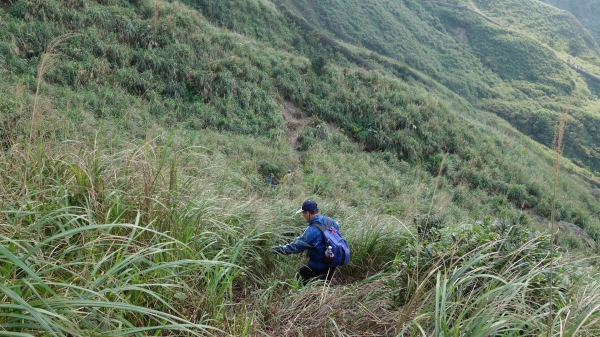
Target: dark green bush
(517, 193)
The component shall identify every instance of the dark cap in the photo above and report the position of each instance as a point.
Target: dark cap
(308, 206)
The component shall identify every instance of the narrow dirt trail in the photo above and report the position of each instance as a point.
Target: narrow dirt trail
(295, 121)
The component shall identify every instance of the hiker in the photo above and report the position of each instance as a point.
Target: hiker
(287, 176)
(312, 240)
(271, 180)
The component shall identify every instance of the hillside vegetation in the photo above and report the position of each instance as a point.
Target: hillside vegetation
(136, 137)
(517, 70)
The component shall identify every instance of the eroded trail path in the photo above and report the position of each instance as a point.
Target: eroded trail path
(295, 121)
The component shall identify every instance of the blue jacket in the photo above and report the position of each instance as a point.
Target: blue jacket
(312, 240)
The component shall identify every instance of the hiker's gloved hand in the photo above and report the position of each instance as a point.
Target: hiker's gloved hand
(277, 250)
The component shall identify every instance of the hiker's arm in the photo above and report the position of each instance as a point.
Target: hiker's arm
(301, 244)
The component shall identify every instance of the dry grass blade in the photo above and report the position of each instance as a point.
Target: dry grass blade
(47, 61)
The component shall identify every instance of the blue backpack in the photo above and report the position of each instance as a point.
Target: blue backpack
(339, 246)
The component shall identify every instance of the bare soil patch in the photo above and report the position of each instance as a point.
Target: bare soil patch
(462, 34)
(295, 121)
(567, 228)
(5, 4)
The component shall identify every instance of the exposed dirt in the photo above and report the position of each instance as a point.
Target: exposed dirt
(295, 121)
(576, 231)
(567, 228)
(462, 34)
(5, 4)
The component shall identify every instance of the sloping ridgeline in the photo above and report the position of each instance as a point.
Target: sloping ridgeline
(586, 11)
(533, 55)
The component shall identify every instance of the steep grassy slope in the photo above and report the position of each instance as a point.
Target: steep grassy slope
(135, 67)
(530, 96)
(517, 70)
(135, 139)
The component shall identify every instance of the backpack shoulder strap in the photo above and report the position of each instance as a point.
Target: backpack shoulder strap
(322, 228)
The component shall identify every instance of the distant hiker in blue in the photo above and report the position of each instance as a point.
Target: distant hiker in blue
(271, 180)
(312, 240)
